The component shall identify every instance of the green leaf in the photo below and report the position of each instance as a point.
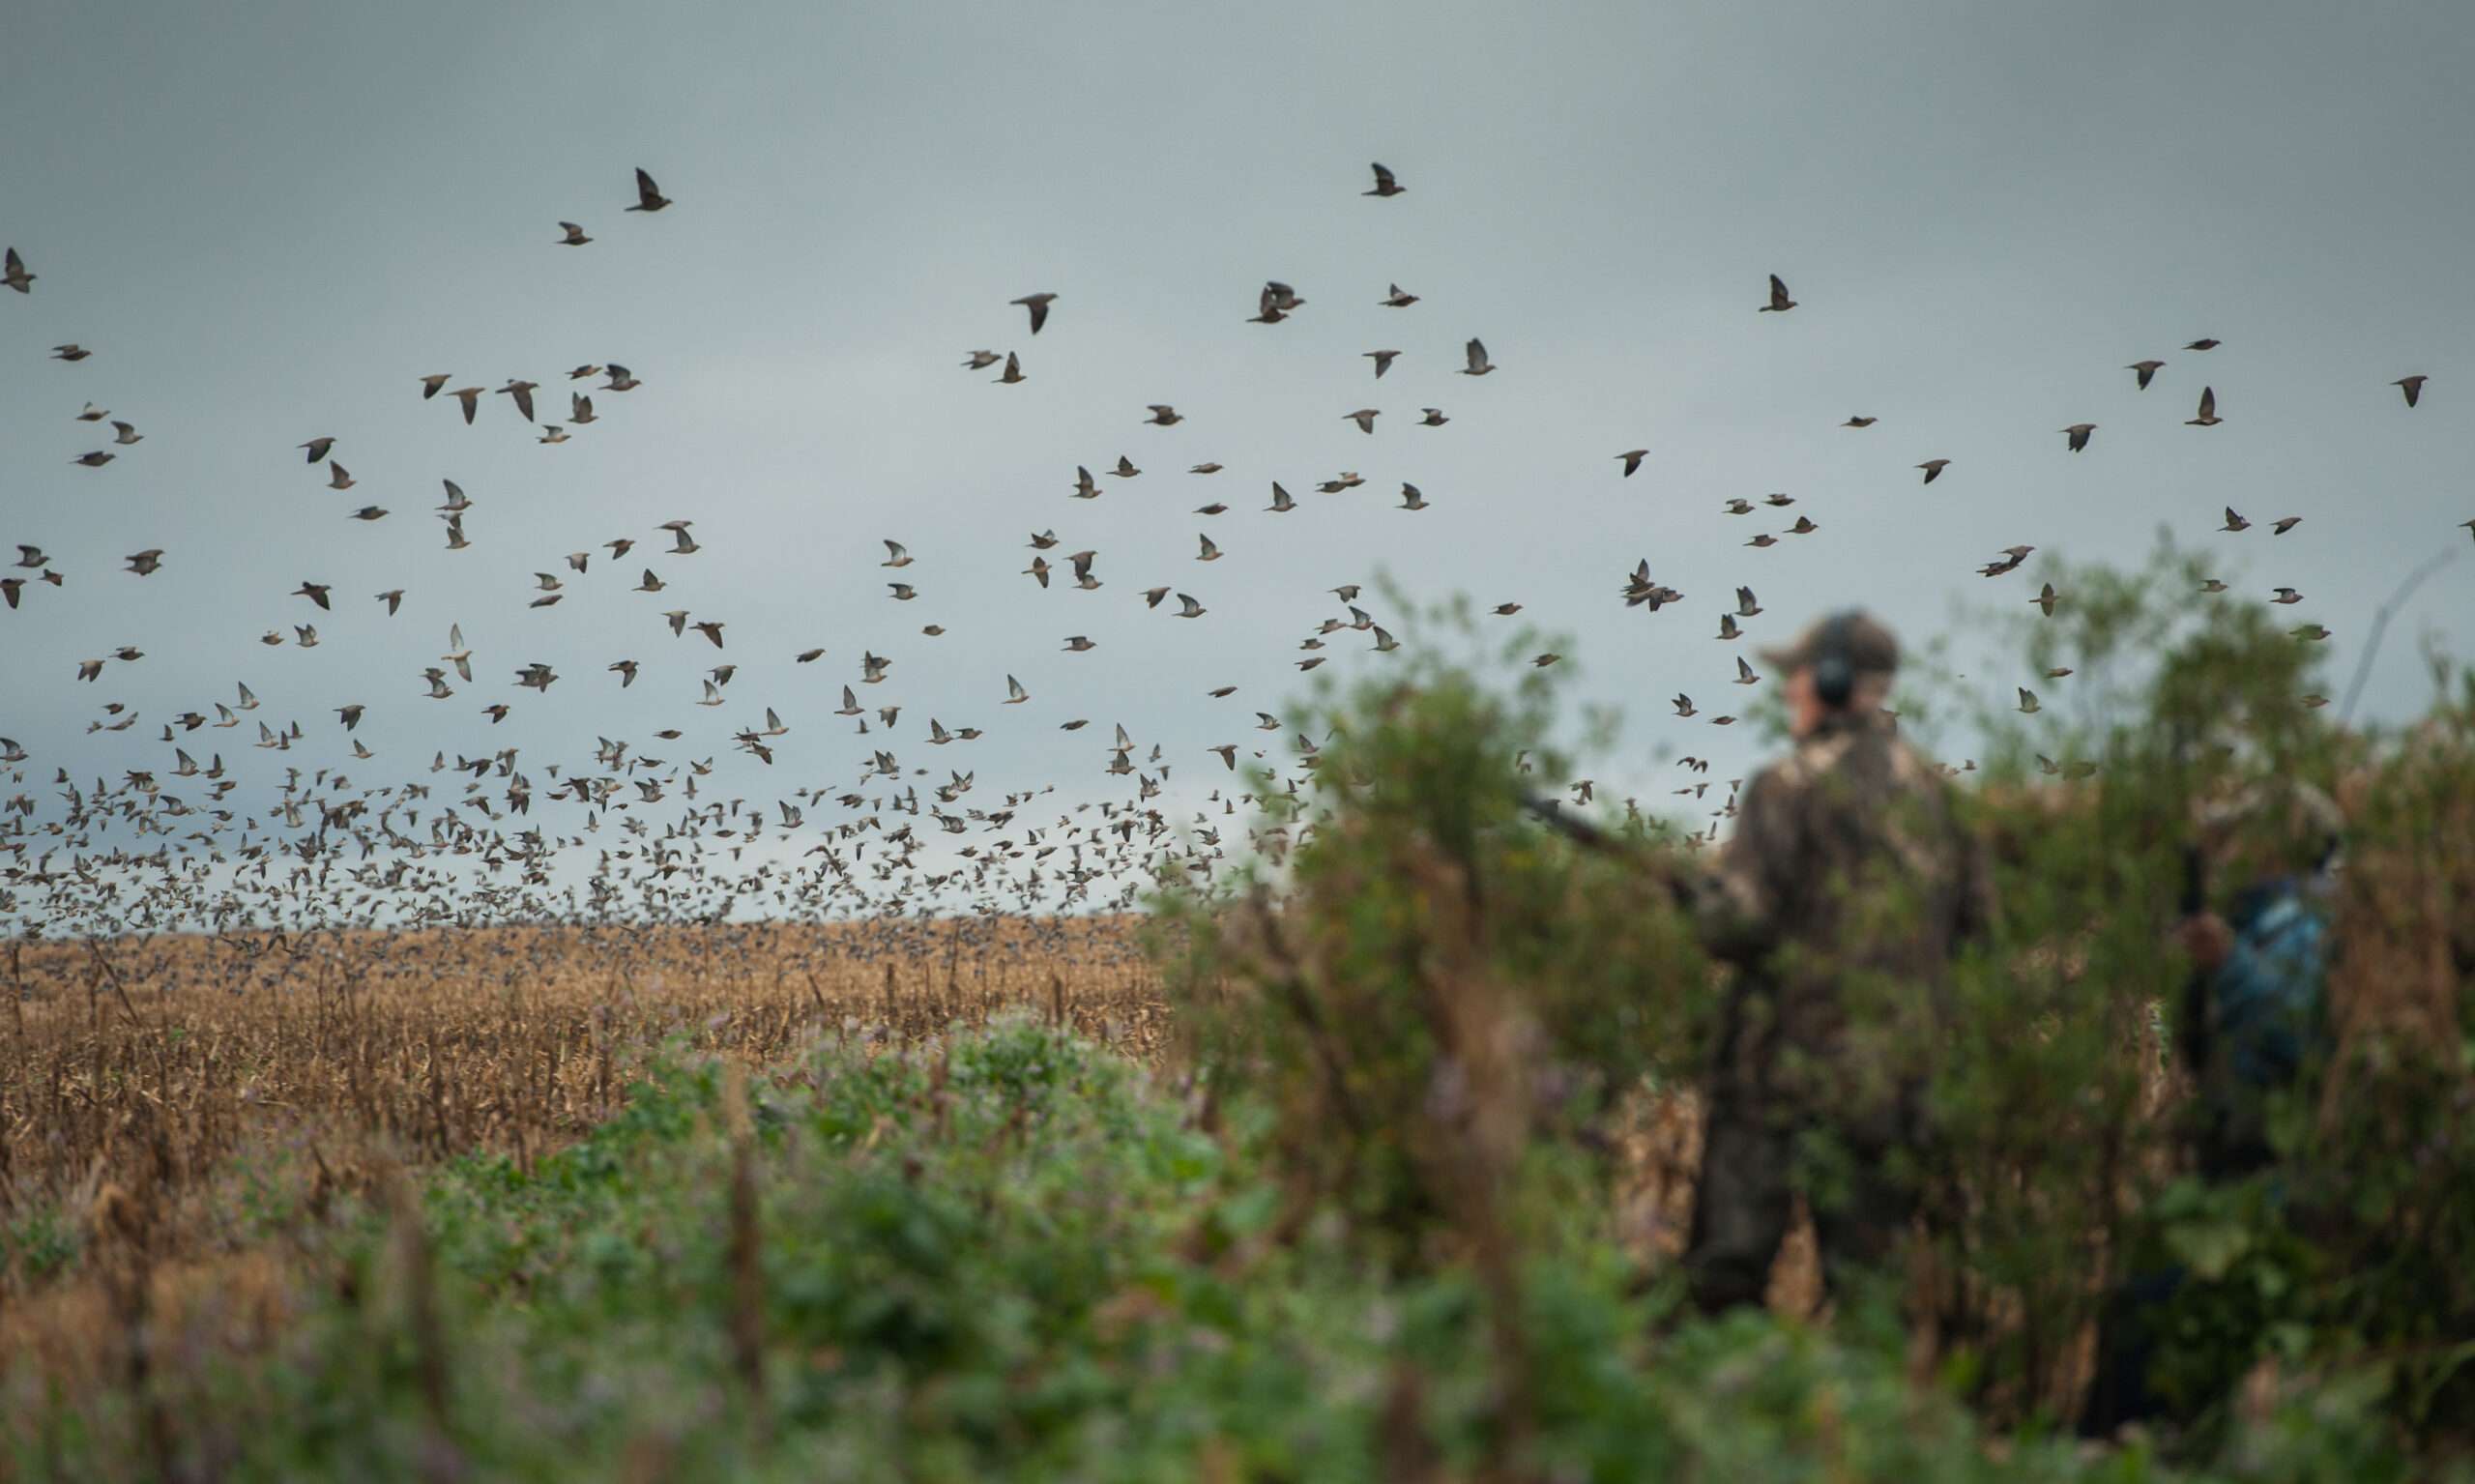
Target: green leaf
(2210, 1249)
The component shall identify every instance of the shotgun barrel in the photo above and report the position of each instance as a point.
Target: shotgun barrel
(1581, 832)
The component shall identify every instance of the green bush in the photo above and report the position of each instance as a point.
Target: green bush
(2346, 1256)
(1445, 1007)
(1427, 981)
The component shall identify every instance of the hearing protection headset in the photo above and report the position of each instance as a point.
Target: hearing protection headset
(1834, 670)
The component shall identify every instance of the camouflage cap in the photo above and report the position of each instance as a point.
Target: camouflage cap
(2287, 807)
(1870, 648)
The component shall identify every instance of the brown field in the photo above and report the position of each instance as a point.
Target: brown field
(159, 1066)
(166, 1077)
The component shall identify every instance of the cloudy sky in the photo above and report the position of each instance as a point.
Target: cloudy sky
(269, 221)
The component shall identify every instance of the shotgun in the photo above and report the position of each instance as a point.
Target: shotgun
(1582, 832)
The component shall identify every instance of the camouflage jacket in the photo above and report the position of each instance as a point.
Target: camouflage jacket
(1846, 890)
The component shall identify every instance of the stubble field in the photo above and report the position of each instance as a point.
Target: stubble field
(155, 1062)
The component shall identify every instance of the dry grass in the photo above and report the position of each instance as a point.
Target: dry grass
(154, 1092)
(160, 1094)
(149, 1078)
(2407, 905)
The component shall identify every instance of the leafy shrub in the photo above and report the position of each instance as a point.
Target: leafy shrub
(1439, 990)
(1443, 1006)
(2345, 1253)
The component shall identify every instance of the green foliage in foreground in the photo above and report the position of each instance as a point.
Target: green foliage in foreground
(1009, 1258)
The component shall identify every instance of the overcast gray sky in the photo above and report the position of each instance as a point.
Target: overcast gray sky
(269, 220)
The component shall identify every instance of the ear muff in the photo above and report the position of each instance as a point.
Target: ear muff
(1834, 672)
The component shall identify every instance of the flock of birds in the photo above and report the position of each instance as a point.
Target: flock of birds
(171, 844)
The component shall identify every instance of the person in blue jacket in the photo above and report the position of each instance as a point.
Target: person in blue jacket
(2255, 1007)
(2251, 1022)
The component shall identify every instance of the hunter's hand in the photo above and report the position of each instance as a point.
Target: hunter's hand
(2206, 939)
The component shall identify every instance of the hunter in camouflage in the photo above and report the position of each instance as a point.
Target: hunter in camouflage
(1841, 897)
